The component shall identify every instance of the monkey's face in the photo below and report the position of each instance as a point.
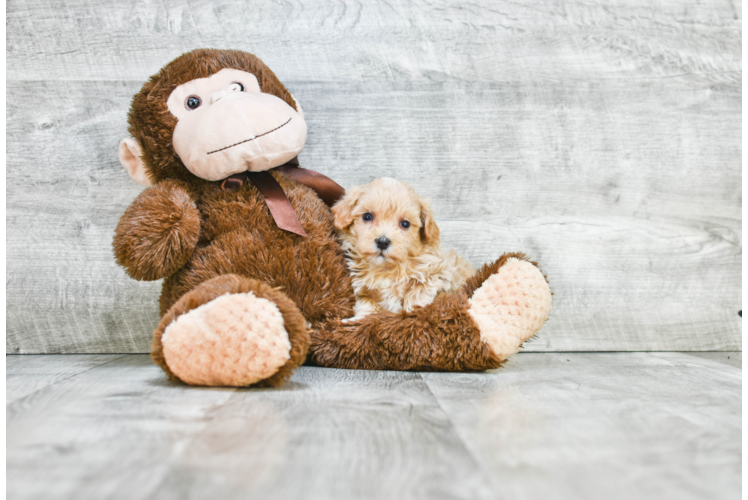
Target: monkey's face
(209, 114)
(227, 125)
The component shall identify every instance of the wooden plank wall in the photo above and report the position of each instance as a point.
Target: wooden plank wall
(742, 6)
(603, 139)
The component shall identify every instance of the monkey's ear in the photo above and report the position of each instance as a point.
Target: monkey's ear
(343, 209)
(129, 155)
(429, 229)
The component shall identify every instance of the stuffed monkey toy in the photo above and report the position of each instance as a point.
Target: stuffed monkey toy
(255, 283)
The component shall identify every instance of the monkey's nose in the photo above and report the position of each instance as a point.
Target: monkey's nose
(217, 95)
(382, 243)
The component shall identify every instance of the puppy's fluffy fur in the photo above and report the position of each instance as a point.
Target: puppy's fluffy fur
(391, 243)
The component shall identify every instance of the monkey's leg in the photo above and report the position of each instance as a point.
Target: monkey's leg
(477, 328)
(231, 331)
(510, 301)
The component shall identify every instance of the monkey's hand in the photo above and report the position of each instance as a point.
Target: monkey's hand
(158, 233)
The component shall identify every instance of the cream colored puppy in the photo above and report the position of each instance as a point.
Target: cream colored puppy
(392, 248)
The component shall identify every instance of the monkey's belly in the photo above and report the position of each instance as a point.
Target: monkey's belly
(311, 272)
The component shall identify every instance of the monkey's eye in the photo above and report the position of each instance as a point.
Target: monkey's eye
(239, 86)
(404, 224)
(368, 217)
(192, 102)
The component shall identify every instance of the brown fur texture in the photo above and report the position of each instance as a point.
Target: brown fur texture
(207, 242)
(439, 336)
(157, 246)
(240, 237)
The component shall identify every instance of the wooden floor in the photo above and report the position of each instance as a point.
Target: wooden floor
(546, 426)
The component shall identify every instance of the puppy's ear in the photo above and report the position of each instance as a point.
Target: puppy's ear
(343, 209)
(429, 229)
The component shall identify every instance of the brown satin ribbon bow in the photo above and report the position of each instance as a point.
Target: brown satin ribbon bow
(277, 201)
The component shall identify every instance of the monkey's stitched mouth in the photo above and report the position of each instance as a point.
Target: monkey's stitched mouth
(251, 139)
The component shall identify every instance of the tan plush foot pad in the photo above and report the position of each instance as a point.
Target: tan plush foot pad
(233, 340)
(510, 306)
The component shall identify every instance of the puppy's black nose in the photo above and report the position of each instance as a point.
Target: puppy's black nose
(382, 243)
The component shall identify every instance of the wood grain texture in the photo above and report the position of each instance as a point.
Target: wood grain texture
(30, 373)
(601, 425)
(727, 358)
(123, 431)
(332, 434)
(603, 140)
(742, 10)
(563, 426)
(110, 432)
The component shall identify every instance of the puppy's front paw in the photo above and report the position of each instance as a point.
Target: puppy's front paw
(353, 318)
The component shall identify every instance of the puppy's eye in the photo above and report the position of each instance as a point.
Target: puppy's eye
(192, 102)
(405, 224)
(368, 217)
(237, 86)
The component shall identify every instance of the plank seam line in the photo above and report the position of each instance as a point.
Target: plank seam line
(705, 363)
(478, 464)
(173, 460)
(63, 379)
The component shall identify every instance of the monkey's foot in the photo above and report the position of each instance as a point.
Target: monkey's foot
(236, 339)
(510, 306)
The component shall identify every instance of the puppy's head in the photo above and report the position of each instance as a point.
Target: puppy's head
(386, 221)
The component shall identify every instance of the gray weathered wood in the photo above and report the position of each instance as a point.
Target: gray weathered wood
(122, 431)
(599, 425)
(108, 432)
(332, 434)
(563, 426)
(603, 140)
(742, 11)
(29, 373)
(730, 358)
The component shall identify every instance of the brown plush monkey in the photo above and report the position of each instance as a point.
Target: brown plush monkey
(255, 282)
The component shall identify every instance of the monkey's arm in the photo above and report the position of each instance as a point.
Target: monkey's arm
(158, 232)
